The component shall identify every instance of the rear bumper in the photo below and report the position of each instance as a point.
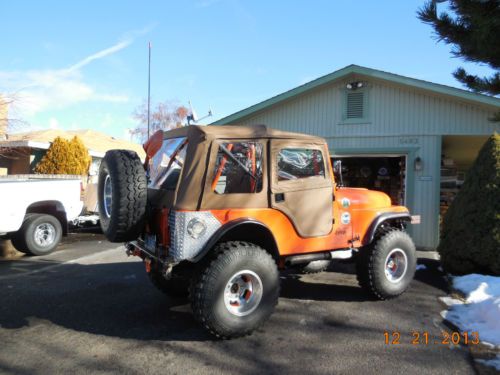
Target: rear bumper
(138, 248)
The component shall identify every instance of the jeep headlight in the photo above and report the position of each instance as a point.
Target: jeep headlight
(196, 228)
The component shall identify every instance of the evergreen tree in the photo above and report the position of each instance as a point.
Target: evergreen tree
(472, 27)
(470, 242)
(65, 157)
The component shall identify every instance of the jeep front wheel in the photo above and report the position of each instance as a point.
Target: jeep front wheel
(386, 267)
(237, 291)
(316, 266)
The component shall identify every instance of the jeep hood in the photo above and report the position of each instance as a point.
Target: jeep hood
(360, 198)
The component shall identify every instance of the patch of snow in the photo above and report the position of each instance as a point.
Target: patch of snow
(469, 283)
(450, 301)
(420, 267)
(494, 362)
(481, 310)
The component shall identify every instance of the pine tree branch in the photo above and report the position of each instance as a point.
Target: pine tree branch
(486, 85)
(472, 31)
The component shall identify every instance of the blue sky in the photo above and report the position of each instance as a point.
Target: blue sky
(83, 64)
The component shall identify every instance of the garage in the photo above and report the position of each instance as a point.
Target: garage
(385, 173)
(411, 139)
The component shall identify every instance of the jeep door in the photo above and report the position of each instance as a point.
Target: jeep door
(301, 186)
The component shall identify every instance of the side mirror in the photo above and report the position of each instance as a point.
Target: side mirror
(337, 171)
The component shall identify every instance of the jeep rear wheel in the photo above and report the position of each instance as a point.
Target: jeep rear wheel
(237, 291)
(122, 195)
(386, 267)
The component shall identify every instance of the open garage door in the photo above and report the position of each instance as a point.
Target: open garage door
(386, 173)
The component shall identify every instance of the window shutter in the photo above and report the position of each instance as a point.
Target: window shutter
(355, 104)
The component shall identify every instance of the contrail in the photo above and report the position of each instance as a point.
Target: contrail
(99, 55)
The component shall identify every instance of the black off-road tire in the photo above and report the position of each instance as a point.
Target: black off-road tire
(179, 283)
(315, 266)
(125, 219)
(371, 264)
(207, 298)
(24, 239)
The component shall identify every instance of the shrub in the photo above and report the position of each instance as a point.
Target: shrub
(65, 157)
(470, 241)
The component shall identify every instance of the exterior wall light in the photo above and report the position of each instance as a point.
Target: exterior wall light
(354, 85)
(418, 164)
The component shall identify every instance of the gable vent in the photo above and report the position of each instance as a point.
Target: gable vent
(355, 105)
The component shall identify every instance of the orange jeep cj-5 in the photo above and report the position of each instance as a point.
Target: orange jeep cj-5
(216, 211)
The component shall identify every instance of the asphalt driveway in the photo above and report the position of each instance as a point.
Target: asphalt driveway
(99, 314)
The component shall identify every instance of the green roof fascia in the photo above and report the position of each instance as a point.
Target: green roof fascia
(356, 69)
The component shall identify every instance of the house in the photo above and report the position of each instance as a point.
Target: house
(412, 139)
(20, 153)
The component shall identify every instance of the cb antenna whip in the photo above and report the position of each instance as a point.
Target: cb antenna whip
(149, 85)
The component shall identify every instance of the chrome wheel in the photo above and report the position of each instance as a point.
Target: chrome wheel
(108, 195)
(45, 235)
(396, 265)
(243, 293)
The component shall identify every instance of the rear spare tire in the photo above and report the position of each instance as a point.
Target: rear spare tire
(122, 195)
(39, 234)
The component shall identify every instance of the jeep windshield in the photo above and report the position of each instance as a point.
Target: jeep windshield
(166, 165)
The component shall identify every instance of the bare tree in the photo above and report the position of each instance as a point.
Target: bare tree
(9, 121)
(164, 115)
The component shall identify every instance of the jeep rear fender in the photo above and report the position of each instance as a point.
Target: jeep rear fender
(391, 217)
(244, 229)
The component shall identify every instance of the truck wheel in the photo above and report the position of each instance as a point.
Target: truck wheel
(237, 291)
(122, 195)
(315, 266)
(39, 234)
(386, 267)
(178, 285)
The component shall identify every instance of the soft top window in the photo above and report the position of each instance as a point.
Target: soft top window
(299, 163)
(238, 168)
(166, 165)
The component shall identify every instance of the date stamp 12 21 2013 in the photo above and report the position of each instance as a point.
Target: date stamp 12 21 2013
(425, 338)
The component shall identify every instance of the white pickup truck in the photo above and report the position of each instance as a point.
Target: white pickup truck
(34, 213)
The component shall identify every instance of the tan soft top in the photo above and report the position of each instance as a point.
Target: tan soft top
(233, 131)
(194, 190)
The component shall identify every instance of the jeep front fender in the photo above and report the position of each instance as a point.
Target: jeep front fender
(382, 218)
